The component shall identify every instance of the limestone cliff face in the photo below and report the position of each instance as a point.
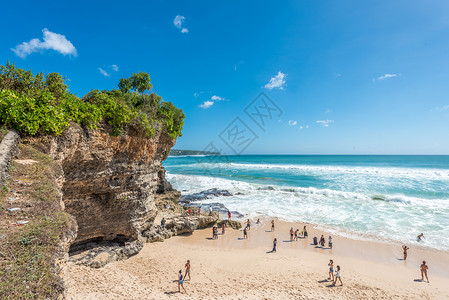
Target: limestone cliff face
(110, 182)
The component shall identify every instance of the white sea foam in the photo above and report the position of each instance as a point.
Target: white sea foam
(361, 215)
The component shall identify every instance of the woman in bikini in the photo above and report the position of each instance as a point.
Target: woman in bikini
(181, 282)
(405, 248)
(291, 234)
(331, 270)
(187, 269)
(424, 267)
(272, 225)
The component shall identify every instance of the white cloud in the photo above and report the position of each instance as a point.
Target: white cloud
(207, 104)
(307, 126)
(178, 23)
(292, 123)
(115, 68)
(103, 72)
(327, 111)
(300, 127)
(325, 123)
(217, 98)
(52, 41)
(386, 76)
(277, 81)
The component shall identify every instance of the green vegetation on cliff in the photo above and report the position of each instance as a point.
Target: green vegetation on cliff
(38, 104)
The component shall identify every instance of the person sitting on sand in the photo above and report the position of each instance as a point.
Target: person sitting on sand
(331, 270)
(296, 234)
(248, 224)
(330, 242)
(245, 233)
(338, 276)
(163, 223)
(322, 241)
(304, 232)
(272, 225)
(420, 237)
(187, 269)
(223, 227)
(181, 282)
(274, 245)
(405, 248)
(424, 269)
(291, 234)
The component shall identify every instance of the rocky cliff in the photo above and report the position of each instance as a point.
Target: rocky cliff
(110, 182)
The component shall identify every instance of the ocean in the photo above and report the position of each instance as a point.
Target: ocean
(373, 197)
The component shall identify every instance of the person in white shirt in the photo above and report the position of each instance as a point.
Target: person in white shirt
(338, 276)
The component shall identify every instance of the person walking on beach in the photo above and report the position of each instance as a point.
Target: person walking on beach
(181, 282)
(245, 233)
(187, 269)
(223, 227)
(248, 224)
(291, 234)
(304, 232)
(229, 215)
(330, 242)
(163, 223)
(420, 237)
(405, 248)
(338, 276)
(272, 225)
(274, 245)
(322, 241)
(331, 270)
(424, 269)
(296, 234)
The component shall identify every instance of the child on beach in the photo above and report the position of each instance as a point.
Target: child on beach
(272, 225)
(245, 233)
(405, 248)
(331, 269)
(187, 269)
(291, 234)
(330, 242)
(274, 245)
(338, 276)
(181, 282)
(424, 269)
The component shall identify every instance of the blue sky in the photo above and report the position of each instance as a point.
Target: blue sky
(351, 77)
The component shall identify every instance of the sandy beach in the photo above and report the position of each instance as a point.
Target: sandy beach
(233, 268)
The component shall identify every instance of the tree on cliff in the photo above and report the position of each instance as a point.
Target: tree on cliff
(139, 82)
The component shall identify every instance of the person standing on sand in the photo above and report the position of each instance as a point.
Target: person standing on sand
(405, 248)
(258, 221)
(272, 225)
(322, 241)
(424, 269)
(338, 276)
(330, 242)
(291, 234)
(245, 233)
(304, 232)
(296, 234)
(229, 215)
(187, 269)
(274, 245)
(223, 227)
(248, 224)
(189, 211)
(181, 282)
(331, 270)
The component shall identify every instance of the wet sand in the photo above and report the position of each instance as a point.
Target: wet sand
(233, 268)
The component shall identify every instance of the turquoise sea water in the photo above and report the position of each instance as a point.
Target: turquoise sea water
(373, 197)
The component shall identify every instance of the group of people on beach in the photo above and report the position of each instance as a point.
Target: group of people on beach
(334, 277)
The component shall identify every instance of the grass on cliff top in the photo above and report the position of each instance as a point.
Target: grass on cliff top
(27, 268)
